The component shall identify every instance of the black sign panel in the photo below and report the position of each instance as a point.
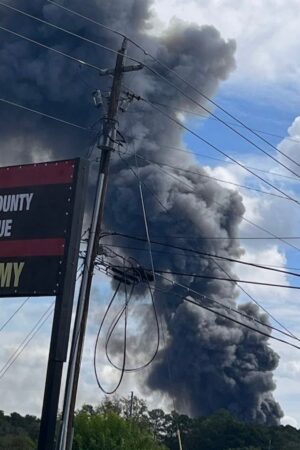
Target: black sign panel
(36, 213)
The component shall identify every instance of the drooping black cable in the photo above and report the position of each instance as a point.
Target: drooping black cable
(99, 383)
(145, 365)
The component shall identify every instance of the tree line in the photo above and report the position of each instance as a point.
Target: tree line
(118, 424)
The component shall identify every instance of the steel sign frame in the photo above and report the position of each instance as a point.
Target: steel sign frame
(39, 205)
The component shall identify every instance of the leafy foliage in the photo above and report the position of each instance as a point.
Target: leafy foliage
(17, 432)
(114, 424)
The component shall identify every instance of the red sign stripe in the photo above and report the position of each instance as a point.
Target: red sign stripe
(32, 247)
(61, 172)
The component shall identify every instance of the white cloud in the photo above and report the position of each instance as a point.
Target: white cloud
(291, 148)
(288, 420)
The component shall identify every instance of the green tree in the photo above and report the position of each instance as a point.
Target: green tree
(21, 442)
(110, 431)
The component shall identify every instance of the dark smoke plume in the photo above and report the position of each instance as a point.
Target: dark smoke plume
(215, 363)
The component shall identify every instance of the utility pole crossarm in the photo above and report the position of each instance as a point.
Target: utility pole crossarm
(105, 72)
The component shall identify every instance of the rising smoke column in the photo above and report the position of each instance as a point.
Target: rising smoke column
(215, 363)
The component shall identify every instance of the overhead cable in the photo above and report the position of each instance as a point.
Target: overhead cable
(208, 116)
(162, 252)
(210, 177)
(215, 261)
(171, 175)
(206, 254)
(52, 49)
(114, 325)
(211, 277)
(26, 341)
(224, 316)
(197, 135)
(230, 308)
(170, 70)
(17, 105)
(99, 382)
(225, 238)
(28, 338)
(245, 219)
(152, 71)
(232, 280)
(14, 314)
(287, 332)
(224, 161)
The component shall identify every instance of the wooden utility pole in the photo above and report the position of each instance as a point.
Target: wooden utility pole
(107, 145)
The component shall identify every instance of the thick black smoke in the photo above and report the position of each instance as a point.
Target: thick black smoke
(215, 363)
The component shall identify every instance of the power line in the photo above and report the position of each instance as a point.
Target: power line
(208, 116)
(165, 66)
(229, 114)
(152, 71)
(118, 317)
(212, 178)
(14, 314)
(245, 219)
(224, 316)
(177, 122)
(28, 338)
(231, 309)
(225, 238)
(269, 172)
(216, 262)
(206, 254)
(66, 55)
(26, 341)
(209, 277)
(17, 105)
(99, 383)
(221, 305)
(270, 234)
(232, 280)
(225, 123)
(180, 254)
(191, 290)
(235, 131)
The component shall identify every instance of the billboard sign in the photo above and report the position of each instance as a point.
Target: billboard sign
(36, 214)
